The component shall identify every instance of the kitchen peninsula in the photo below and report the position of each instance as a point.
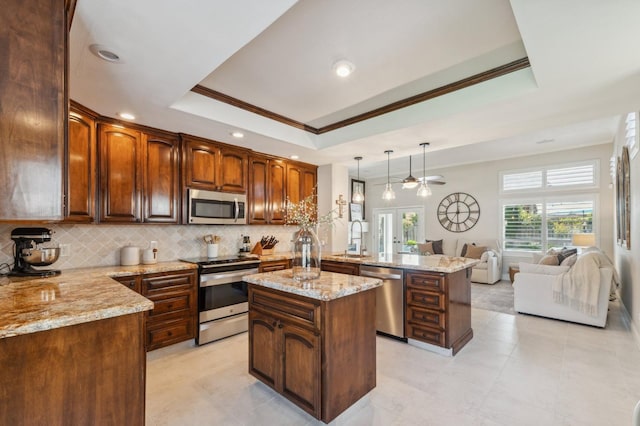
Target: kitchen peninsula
(72, 347)
(314, 342)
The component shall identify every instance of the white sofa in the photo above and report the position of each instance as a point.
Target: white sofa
(489, 270)
(533, 294)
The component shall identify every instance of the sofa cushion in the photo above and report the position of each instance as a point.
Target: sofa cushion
(533, 268)
(475, 252)
(425, 248)
(565, 253)
(437, 246)
(569, 261)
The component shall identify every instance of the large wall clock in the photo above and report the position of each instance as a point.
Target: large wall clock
(458, 212)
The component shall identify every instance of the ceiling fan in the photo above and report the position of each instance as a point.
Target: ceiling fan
(431, 180)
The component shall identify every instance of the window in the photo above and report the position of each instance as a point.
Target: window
(631, 133)
(563, 177)
(537, 225)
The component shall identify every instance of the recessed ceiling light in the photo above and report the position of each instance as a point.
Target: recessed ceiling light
(237, 134)
(343, 68)
(294, 157)
(127, 116)
(104, 53)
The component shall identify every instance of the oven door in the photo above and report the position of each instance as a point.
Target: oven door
(223, 294)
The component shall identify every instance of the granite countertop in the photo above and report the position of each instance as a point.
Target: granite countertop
(28, 305)
(275, 256)
(328, 287)
(433, 263)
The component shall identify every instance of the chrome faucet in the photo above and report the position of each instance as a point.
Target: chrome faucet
(360, 238)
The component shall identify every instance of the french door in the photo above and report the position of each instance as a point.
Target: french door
(398, 230)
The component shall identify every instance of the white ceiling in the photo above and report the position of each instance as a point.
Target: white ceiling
(278, 55)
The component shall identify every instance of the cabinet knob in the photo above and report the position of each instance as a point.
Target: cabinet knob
(280, 325)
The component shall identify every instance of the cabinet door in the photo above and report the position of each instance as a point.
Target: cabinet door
(161, 189)
(131, 281)
(81, 168)
(309, 179)
(119, 156)
(264, 353)
(33, 109)
(233, 170)
(258, 190)
(277, 191)
(301, 375)
(294, 183)
(200, 163)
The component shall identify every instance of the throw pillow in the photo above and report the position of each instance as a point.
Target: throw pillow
(463, 252)
(425, 249)
(475, 252)
(549, 259)
(569, 261)
(437, 246)
(566, 253)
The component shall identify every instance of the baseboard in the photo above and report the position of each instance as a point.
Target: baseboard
(627, 317)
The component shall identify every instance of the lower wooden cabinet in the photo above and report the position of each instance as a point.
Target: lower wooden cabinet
(340, 267)
(175, 298)
(438, 309)
(321, 355)
(274, 265)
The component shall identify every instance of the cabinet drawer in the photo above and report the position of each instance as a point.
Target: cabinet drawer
(132, 281)
(275, 265)
(426, 281)
(426, 334)
(160, 334)
(426, 299)
(167, 283)
(176, 303)
(426, 317)
(297, 310)
(340, 267)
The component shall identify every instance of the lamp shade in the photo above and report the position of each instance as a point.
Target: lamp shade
(583, 240)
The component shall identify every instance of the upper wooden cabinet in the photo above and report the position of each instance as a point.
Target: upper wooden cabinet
(120, 155)
(301, 181)
(80, 200)
(33, 109)
(139, 175)
(267, 189)
(161, 178)
(214, 166)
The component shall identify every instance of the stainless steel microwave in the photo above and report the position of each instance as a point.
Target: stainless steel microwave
(216, 208)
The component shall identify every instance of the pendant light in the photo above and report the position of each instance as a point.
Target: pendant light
(388, 193)
(409, 182)
(424, 190)
(357, 196)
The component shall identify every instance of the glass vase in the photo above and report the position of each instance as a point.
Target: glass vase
(306, 255)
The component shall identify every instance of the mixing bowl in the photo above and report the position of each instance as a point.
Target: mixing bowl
(41, 257)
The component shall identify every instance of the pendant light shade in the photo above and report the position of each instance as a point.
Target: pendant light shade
(388, 193)
(409, 182)
(357, 196)
(424, 190)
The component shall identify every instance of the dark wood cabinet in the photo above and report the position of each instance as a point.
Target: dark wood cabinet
(274, 265)
(80, 197)
(267, 190)
(306, 349)
(438, 308)
(139, 175)
(120, 158)
(301, 181)
(340, 267)
(214, 166)
(33, 109)
(174, 294)
(161, 178)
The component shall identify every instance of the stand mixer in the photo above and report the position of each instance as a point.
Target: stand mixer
(27, 254)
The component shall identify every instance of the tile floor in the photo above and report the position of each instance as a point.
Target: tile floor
(517, 370)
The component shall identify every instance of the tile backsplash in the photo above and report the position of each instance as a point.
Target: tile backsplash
(99, 245)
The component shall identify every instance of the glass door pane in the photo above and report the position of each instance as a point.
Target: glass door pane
(411, 229)
(383, 234)
(398, 230)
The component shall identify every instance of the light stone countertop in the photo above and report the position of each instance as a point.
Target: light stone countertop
(28, 305)
(433, 263)
(328, 287)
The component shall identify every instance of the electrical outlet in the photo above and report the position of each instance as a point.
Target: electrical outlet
(65, 250)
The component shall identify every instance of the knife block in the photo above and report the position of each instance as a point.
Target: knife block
(257, 249)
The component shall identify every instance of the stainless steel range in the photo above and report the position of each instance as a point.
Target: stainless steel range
(222, 296)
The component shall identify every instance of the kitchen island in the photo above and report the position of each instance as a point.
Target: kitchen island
(314, 342)
(72, 348)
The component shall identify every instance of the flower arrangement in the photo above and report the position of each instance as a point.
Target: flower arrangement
(305, 213)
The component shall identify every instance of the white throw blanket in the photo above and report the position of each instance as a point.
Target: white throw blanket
(580, 286)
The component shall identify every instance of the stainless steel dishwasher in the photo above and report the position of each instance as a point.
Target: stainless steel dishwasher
(389, 299)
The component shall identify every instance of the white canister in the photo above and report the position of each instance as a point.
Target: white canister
(149, 256)
(212, 250)
(130, 255)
